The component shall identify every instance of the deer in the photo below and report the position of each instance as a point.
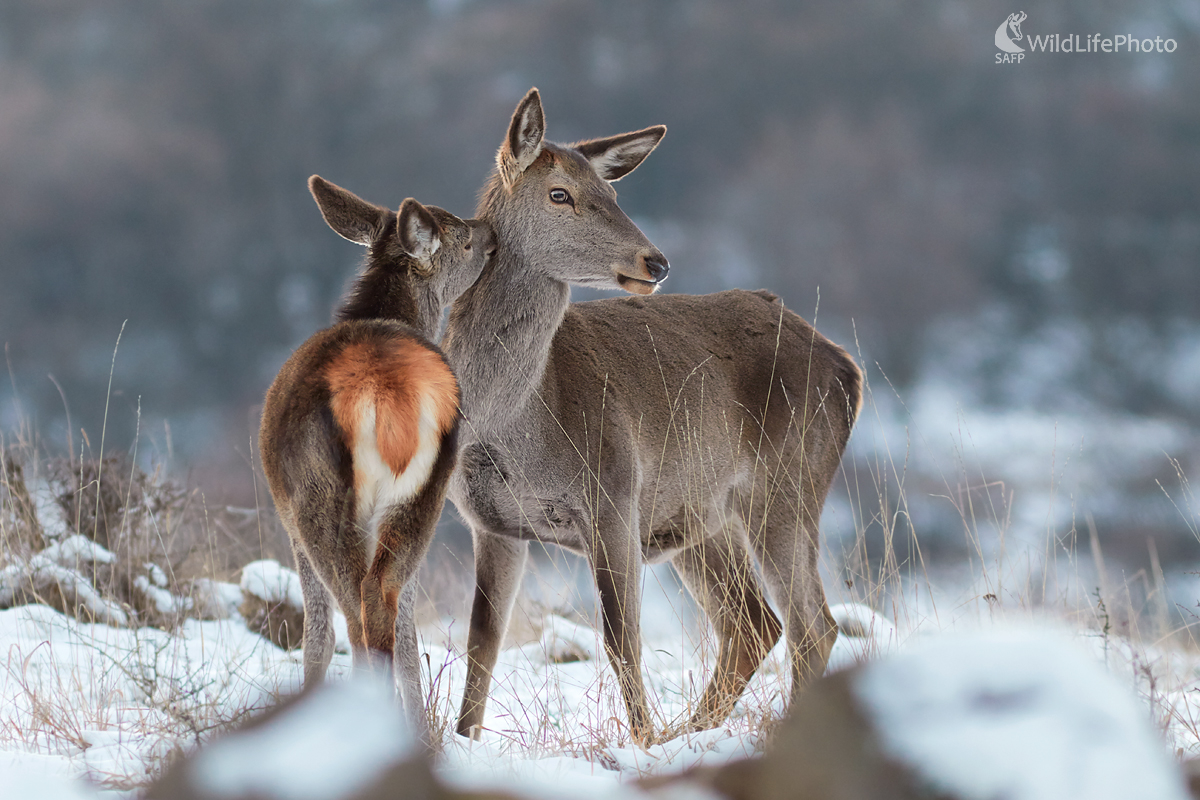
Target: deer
(359, 434)
(701, 430)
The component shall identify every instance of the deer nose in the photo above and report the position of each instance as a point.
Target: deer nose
(658, 267)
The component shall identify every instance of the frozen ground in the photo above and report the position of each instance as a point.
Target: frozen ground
(110, 704)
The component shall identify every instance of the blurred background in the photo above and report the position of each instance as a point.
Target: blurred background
(1013, 251)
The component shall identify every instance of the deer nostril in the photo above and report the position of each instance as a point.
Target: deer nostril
(657, 267)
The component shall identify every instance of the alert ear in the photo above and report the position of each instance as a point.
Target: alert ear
(523, 144)
(349, 215)
(616, 156)
(419, 233)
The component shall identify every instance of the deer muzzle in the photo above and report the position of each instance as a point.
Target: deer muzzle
(652, 269)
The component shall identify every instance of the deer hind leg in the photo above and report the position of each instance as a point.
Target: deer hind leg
(389, 598)
(407, 655)
(721, 577)
(499, 562)
(319, 639)
(332, 557)
(785, 537)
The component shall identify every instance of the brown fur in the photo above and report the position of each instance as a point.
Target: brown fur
(378, 351)
(395, 375)
(704, 430)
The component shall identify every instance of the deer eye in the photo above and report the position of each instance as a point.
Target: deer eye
(559, 196)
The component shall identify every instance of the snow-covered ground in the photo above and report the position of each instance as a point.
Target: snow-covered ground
(111, 704)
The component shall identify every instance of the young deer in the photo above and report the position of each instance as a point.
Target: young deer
(359, 433)
(697, 429)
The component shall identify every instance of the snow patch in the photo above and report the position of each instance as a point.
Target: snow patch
(333, 743)
(1017, 714)
(862, 635)
(44, 576)
(163, 601)
(271, 581)
(78, 549)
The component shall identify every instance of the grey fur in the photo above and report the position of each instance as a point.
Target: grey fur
(696, 429)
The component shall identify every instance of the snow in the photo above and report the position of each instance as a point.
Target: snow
(1018, 714)
(111, 703)
(50, 513)
(564, 641)
(997, 712)
(40, 573)
(26, 779)
(862, 635)
(77, 549)
(164, 602)
(336, 742)
(271, 581)
(217, 599)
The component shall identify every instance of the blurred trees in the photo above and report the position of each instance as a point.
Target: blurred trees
(153, 159)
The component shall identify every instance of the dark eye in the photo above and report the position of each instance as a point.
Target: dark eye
(467, 246)
(559, 196)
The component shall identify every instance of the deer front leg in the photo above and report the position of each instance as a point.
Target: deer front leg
(616, 563)
(499, 562)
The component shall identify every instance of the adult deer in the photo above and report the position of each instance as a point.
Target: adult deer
(695, 429)
(359, 433)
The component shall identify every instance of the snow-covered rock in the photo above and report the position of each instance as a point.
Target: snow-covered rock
(216, 599)
(1015, 713)
(273, 603)
(326, 745)
(271, 581)
(564, 642)
(42, 578)
(77, 549)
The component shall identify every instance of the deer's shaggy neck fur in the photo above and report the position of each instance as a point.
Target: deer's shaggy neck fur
(500, 330)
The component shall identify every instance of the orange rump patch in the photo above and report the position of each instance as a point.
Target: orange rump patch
(398, 375)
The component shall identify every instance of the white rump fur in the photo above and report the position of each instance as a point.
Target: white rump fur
(380, 488)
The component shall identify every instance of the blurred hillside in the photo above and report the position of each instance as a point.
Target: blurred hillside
(1028, 233)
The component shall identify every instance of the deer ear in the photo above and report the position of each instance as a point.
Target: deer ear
(348, 214)
(617, 156)
(523, 144)
(419, 233)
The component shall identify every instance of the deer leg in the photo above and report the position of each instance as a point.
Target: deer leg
(785, 538)
(499, 562)
(616, 565)
(407, 655)
(721, 577)
(404, 537)
(340, 559)
(330, 554)
(388, 600)
(318, 620)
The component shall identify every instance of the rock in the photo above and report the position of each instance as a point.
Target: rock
(343, 741)
(1016, 714)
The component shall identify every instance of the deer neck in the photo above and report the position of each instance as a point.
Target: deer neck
(498, 340)
(387, 294)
